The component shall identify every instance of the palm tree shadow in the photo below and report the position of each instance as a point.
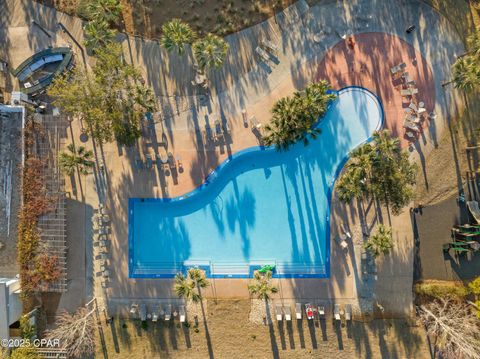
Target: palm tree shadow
(207, 333)
(271, 330)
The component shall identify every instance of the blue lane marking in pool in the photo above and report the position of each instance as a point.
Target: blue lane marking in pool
(258, 207)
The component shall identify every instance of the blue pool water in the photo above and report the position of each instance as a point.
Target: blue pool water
(259, 207)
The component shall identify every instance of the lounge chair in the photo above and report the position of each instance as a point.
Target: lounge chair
(321, 311)
(142, 312)
(474, 210)
(346, 231)
(298, 310)
(226, 128)
(208, 133)
(309, 311)
(149, 161)
(269, 45)
(341, 240)
(182, 314)
(348, 312)
(409, 92)
(336, 312)
(411, 126)
(154, 316)
(395, 69)
(133, 308)
(218, 129)
(279, 312)
(168, 312)
(263, 54)
(288, 313)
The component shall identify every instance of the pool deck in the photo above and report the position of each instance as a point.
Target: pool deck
(246, 83)
(428, 55)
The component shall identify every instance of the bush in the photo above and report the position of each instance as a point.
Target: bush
(441, 289)
(474, 287)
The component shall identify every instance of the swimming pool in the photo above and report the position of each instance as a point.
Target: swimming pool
(258, 207)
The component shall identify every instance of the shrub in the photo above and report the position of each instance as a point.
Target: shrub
(441, 289)
(474, 287)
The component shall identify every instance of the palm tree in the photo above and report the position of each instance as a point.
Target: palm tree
(104, 10)
(185, 288)
(98, 33)
(466, 73)
(189, 287)
(176, 34)
(263, 289)
(380, 242)
(80, 159)
(210, 52)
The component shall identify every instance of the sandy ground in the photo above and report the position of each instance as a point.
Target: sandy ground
(217, 16)
(229, 334)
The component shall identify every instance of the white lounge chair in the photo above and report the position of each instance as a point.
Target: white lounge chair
(348, 312)
(298, 310)
(346, 231)
(279, 313)
(133, 308)
(474, 210)
(288, 313)
(168, 312)
(321, 311)
(336, 312)
(154, 317)
(182, 314)
(262, 53)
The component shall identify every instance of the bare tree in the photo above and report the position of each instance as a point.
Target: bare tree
(76, 332)
(453, 328)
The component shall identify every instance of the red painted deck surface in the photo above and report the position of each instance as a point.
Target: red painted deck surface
(368, 65)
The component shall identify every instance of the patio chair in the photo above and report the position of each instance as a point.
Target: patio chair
(142, 312)
(348, 312)
(341, 240)
(346, 231)
(321, 311)
(149, 161)
(336, 312)
(413, 107)
(411, 126)
(474, 210)
(409, 92)
(218, 128)
(181, 312)
(168, 312)
(133, 308)
(262, 54)
(208, 133)
(155, 315)
(269, 45)
(278, 312)
(309, 311)
(226, 128)
(288, 313)
(298, 310)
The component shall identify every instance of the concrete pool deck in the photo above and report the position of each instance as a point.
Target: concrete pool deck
(181, 133)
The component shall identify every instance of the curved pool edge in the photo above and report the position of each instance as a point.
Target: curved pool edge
(211, 178)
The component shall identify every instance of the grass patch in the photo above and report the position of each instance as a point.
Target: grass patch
(441, 289)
